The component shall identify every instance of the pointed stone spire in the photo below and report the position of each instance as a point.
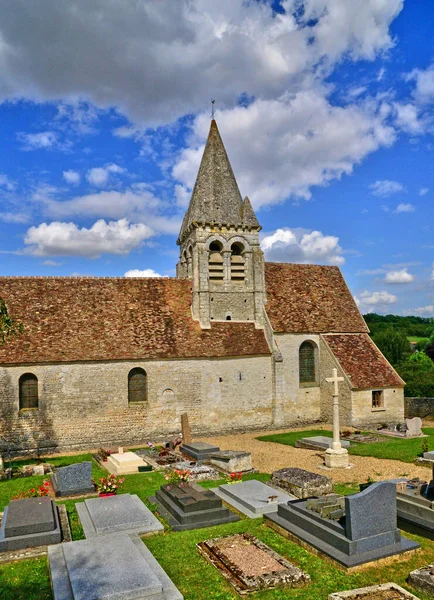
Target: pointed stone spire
(216, 198)
(249, 217)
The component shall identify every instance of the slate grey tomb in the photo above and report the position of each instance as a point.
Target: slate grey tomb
(253, 498)
(125, 512)
(415, 504)
(199, 450)
(121, 568)
(366, 533)
(191, 507)
(73, 480)
(30, 523)
(423, 579)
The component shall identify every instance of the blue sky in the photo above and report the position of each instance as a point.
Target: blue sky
(326, 108)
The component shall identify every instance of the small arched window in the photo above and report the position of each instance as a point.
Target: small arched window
(237, 262)
(137, 386)
(306, 357)
(28, 391)
(215, 262)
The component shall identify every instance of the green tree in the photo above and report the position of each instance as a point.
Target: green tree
(429, 348)
(8, 326)
(393, 344)
(417, 371)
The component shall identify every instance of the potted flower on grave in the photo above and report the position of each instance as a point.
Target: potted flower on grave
(174, 476)
(234, 477)
(109, 486)
(103, 454)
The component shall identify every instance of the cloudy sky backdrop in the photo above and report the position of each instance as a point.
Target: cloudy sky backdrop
(326, 108)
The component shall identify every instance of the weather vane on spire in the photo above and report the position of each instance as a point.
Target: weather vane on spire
(212, 108)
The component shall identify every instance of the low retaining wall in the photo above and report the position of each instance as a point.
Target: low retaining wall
(418, 407)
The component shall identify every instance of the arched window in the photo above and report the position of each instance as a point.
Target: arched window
(137, 386)
(28, 391)
(237, 262)
(215, 262)
(306, 358)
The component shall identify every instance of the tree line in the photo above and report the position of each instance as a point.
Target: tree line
(414, 361)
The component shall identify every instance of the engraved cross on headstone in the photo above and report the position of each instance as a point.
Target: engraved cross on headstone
(336, 445)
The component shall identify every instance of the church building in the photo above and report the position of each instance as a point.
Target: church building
(237, 343)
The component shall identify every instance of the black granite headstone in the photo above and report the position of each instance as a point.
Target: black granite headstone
(189, 506)
(73, 480)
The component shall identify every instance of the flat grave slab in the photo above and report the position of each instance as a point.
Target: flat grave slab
(232, 461)
(415, 505)
(367, 531)
(189, 506)
(30, 523)
(319, 442)
(423, 579)
(125, 512)
(120, 569)
(73, 480)
(252, 498)
(301, 483)
(198, 472)
(383, 591)
(199, 450)
(249, 565)
(124, 464)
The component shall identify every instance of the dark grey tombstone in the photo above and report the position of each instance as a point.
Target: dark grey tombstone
(199, 450)
(73, 480)
(29, 523)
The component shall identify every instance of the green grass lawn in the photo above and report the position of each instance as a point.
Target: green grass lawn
(393, 448)
(176, 551)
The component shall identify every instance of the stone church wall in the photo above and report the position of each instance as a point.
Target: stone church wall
(86, 405)
(299, 403)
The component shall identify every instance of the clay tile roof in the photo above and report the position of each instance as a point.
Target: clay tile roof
(310, 298)
(362, 361)
(82, 319)
(216, 197)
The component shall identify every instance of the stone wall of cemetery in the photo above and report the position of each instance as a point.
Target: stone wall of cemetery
(86, 405)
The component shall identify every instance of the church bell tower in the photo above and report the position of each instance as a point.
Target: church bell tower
(219, 244)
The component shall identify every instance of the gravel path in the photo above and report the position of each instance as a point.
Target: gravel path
(268, 457)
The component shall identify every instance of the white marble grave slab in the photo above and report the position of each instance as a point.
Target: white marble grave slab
(252, 498)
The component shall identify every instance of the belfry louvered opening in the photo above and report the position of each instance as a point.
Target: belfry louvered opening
(238, 265)
(215, 263)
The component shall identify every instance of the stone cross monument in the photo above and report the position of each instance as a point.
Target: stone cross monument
(336, 456)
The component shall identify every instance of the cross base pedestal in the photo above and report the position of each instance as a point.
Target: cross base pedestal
(337, 459)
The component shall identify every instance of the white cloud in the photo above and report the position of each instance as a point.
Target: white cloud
(99, 176)
(143, 273)
(45, 140)
(408, 118)
(385, 187)
(432, 274)
(374, 299)
(404, 208)
(402, 276)
(6, 183)
(51, 263)
(136, 206)
(14, 217)
(424, 311)
(300, 141)
(71, 177)
(424, 92)
(302, 246)
(67, 239)
(172, 55)
(423, 191)
(371, 272)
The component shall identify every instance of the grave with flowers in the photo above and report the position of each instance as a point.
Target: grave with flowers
(187, 505)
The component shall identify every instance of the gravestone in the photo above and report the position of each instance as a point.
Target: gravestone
(232, 461)
(124, 463)
(336, 457)
(73, 480)
(301, 483)
(185, 429)
(122, 568)
(429, 455)
(414, 427)
(126, 512)
(199, 450)
(30, 523)
(415, 505)
(393, 591)
(189, 506)
(252, 498)
(423, 579)
(198, 472)
(318, 442)
(366, 533)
